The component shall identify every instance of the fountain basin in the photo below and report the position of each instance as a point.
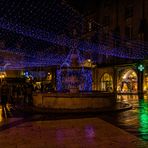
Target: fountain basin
(74, 100)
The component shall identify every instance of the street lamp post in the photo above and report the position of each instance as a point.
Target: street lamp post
(140, 80)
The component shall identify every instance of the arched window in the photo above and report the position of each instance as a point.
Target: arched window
(107, 83)
(146, 83)
(128, 81)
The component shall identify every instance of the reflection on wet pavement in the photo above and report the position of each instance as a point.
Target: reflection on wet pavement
(143, 119)
(9, 122)
(135, 120)
(69, 133)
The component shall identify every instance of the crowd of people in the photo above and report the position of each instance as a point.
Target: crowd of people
(15, 94)
(20, 93)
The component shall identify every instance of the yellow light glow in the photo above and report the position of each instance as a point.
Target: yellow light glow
(89, 60)
(3, 75)
(1, 118)
(124, 77)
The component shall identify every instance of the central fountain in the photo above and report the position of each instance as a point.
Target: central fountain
(74, 88)
(72, 77)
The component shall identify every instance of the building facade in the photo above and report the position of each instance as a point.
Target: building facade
(118, 24)
(113, 24)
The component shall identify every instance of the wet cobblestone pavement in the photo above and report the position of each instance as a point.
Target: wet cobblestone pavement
(68, 133)
(71, 130)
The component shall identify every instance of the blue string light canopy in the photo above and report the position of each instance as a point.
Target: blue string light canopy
(34, 31)
(40, 33)
(53, 15)
(84, 46)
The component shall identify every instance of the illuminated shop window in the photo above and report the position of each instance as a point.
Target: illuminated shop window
(128, 82)
(107, 83)
(49, 76)
(146, 82)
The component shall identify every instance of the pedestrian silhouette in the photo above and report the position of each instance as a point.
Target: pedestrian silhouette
(4, 92)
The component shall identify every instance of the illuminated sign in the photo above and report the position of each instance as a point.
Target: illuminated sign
(141, 67)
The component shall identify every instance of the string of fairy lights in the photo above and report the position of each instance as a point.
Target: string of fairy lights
(65, 41)
(52, 23)
(47, 15)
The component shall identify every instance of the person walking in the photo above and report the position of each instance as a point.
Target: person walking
(29, 92)
(4, 93)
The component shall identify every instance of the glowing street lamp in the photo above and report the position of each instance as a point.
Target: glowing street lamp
(2, 75)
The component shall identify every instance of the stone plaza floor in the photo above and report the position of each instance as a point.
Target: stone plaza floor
(49, 130)
(65, 133)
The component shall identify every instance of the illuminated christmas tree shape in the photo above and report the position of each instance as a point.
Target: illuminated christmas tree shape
(73, 77)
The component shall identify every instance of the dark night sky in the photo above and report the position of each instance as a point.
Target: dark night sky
(84, 6)
(47, 14)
